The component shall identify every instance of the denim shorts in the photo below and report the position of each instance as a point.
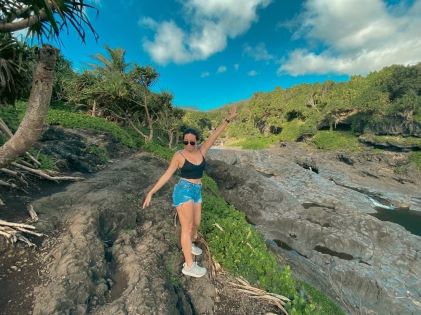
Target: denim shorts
(185, 191)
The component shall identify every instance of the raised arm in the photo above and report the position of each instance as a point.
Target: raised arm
(212, 138)
(163, 179)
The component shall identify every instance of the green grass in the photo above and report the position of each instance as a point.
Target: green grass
(257, 143)
(291, 130)
(163, 152)
(336, 140)
(69, 119)
(10, 116)
(415, 157)
(100, 152)
(326, 305)
(240, 248)
(77, 120)
(47, 163)
(417, 117)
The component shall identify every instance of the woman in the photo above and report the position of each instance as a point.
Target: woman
(187, 197)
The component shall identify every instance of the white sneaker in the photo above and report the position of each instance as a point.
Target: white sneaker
(195, 250)
(194, 270)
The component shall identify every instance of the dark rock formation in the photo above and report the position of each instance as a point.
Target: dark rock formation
(388, 145)
(394, 126)
(323, 224)
(75, 149)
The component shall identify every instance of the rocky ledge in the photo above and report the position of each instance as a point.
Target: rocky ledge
(315, 209)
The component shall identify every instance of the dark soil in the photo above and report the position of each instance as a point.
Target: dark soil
(21, 266)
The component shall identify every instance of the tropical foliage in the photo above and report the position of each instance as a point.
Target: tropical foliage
(392, 94)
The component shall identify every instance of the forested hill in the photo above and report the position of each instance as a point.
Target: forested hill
(383, 102)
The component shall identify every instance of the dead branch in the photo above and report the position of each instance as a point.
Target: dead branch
(12, 232)
(9, 172)
(256, 293)
(33, 159)
(219, 227)
(22, 238)
(214, 266)
(5, 129)
(3, 183)
(45, 175)
(13, 224)
(26, 163)
(18, 175)
(30, 232)
(32, 213)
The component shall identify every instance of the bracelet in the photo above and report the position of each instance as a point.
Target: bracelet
(227, 120)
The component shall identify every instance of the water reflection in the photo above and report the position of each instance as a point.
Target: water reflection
(409, 219)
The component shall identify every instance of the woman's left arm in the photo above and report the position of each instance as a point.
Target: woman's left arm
(212, 138)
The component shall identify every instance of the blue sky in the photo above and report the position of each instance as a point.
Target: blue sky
(213, 52)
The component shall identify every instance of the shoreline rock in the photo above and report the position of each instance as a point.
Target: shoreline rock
(371, 265)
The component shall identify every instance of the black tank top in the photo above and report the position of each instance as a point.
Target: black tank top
(192, 171)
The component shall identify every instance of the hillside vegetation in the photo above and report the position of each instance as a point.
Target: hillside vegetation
(387, 102)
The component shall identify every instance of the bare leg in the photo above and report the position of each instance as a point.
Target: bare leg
(185, 215)
(197, 215)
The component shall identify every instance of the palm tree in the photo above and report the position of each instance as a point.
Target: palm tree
(42, 19)
(114, 63)
(16, 63)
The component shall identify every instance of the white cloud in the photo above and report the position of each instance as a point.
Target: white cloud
(355, 40)
(168, 44)
(258, 52)
(204, 74)
(148, 23)
(210, 24)
(236, 66)
(252, 73)
(221, 69)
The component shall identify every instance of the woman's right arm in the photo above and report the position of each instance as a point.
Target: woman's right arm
(163, 179)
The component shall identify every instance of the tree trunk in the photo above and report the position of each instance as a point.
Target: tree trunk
(150, 137)
(31, 126)
(93, 109)
(170, 137)
(176, 138)
(148, 117)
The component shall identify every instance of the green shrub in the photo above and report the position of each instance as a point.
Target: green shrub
(163, 152)
(415, 157)
(78, 120)
(241, 249)
(256, 143)
(47, 163)
(336, 140)
(10, 116)
(68, 119)
(100, 152)
(324, 304)
(291, 130)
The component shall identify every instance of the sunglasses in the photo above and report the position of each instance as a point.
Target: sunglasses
(187, 142)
